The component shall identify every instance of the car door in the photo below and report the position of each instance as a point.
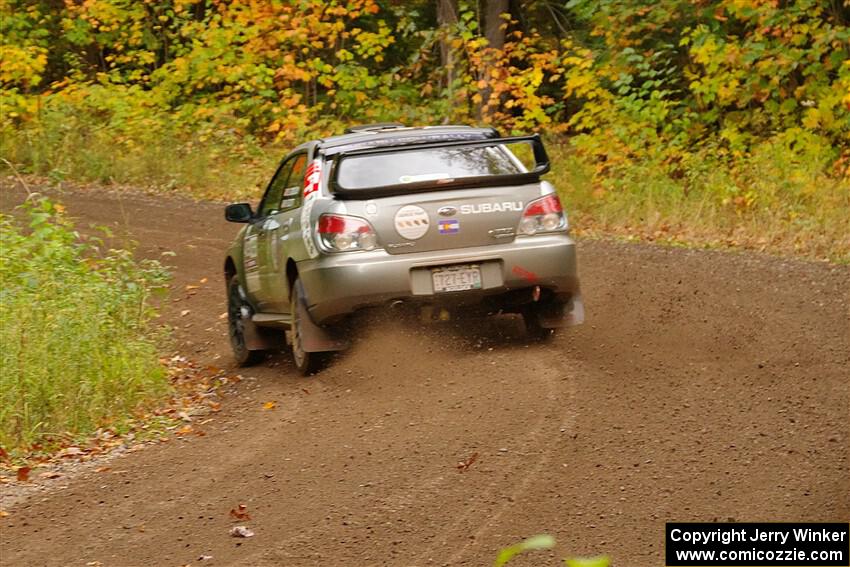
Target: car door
(254, 245)
(278, 231)
(259, 235)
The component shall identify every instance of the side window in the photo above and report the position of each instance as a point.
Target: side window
(271, 200)
(292, 189)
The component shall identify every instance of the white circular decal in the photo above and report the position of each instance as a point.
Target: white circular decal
(412, 222)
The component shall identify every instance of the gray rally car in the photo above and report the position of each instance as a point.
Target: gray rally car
(447, 216)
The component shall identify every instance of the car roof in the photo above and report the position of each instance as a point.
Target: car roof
(391, 135)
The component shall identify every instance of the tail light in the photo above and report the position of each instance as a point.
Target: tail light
(543, 215)
(341, 233)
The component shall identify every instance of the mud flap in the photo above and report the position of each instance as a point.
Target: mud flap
(313, 337)
(557, 315)
(576, 314)
(259, 338)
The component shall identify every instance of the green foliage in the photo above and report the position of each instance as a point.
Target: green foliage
(531, 544)
(79, 351)
(677, 73)
(686, 70)
(727, 74)
(541, 542)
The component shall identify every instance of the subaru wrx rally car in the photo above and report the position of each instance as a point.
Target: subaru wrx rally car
(443, 216)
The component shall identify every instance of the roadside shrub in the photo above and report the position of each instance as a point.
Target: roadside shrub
(79, 347)
(780, 197)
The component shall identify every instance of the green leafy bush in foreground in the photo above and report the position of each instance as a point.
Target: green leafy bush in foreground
(78, 345)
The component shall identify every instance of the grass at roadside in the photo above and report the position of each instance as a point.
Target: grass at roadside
(79, 348)
(153, 153)
(779, 200)
(785, 208)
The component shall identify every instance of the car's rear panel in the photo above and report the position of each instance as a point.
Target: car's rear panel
(339, 284)
(443, 220)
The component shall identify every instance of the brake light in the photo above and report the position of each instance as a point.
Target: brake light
(543, 215)
(341, 233)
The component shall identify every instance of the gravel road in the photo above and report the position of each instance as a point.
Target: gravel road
(704, 386)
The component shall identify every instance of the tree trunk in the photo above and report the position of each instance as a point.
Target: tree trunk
(495, 34)
(446, 19)
(493, 22)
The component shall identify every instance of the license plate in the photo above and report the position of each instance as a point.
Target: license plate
(459, 278)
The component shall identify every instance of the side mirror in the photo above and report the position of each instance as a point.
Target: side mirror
(238, 212)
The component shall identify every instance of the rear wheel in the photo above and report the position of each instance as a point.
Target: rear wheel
(307, 363)
(239, 311)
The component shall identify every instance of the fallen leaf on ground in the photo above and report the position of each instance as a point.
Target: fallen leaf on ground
(101, 469)
(306, 391)
(191, 287)
(51, 474)
(223, 315)
(3, 453)
(3, 513)
(269, 405)
(204, 280)
(464, 465)
(240, 512)
(185, 430)
(23, 474)
(185, 312)
(241, 531)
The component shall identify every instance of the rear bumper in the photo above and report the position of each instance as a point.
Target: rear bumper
(340, 284)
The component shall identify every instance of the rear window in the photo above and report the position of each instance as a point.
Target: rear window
(431, 164)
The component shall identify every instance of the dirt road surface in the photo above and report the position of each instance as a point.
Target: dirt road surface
(704, 386)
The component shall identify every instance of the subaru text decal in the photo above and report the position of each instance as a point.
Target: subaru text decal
(491, 208)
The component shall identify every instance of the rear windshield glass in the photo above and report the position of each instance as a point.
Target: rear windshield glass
(432, 164)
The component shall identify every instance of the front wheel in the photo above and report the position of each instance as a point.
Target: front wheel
(307, 363)
(239, 311)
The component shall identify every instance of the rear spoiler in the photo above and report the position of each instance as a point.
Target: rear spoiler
(541, 166)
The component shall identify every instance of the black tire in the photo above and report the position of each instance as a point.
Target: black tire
(307, 363)
(533, 329)
(236, 310)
